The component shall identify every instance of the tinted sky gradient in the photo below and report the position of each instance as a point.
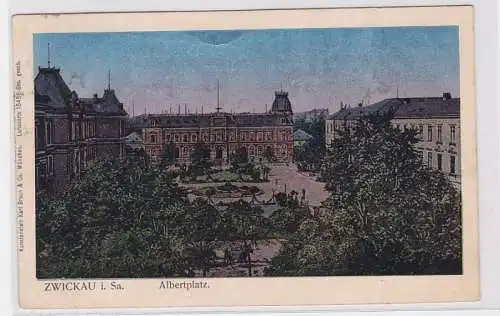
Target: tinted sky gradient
(318, 67)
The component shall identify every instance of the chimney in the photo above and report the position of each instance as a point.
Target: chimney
(446, 95)
(95, 96)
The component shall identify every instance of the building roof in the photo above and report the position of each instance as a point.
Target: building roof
(134, 136)
(300, 135)
(428, 107)
(260, 119)
(281, 102)
(420, 107)
(210, 119)
(50, 88)
(133, 140)
(107, 104)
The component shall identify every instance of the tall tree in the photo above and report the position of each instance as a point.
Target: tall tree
(311, 154)
(290, 214)
(200, 159)
(169, 155)
(244, 222)
(200, 230)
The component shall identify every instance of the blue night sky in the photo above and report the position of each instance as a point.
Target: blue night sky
(318, 67)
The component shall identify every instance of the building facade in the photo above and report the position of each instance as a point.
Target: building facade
(436, 119)
(72, 133)
(259, 135)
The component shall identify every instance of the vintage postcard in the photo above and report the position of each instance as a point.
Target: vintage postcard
(246, 158)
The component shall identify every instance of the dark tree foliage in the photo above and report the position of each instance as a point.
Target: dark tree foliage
(244, 222)
(240, 156)
(387, 214)
(200, 158)
(118, 220)
(169, 155)
(310, 155)
(269, 154)
(201, 229)
(286, 220)
(200, 154)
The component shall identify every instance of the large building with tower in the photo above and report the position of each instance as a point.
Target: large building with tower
(258, 135)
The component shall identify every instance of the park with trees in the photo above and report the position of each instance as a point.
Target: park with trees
(386, 213)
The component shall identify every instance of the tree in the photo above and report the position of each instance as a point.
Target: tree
(269, 154)
(243, 221)
(200, 153)
(169, 155)
(287, 219)
(255, 174)
(200, 159)
(240, 156)
(201, 226)
(387, 213)
(120, 219)
(265, 172)
(310, 155)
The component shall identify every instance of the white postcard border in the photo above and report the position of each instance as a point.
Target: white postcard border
(420, 290)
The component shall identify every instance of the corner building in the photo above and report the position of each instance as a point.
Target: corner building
(254, 133)
(72, 133)
(436, 119)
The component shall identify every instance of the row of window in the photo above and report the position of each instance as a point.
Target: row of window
(439, 162)
(430, 130)
(219, 137)
(45, 135)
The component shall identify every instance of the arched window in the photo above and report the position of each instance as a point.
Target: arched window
(193, 138)
(185, 138)
(218, 153)
(176, 138)
(251, 150)
(259, 150)
(283, 150)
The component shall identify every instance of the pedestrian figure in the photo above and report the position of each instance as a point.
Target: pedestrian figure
(227, 255)
(242, 256)
(230, 258)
